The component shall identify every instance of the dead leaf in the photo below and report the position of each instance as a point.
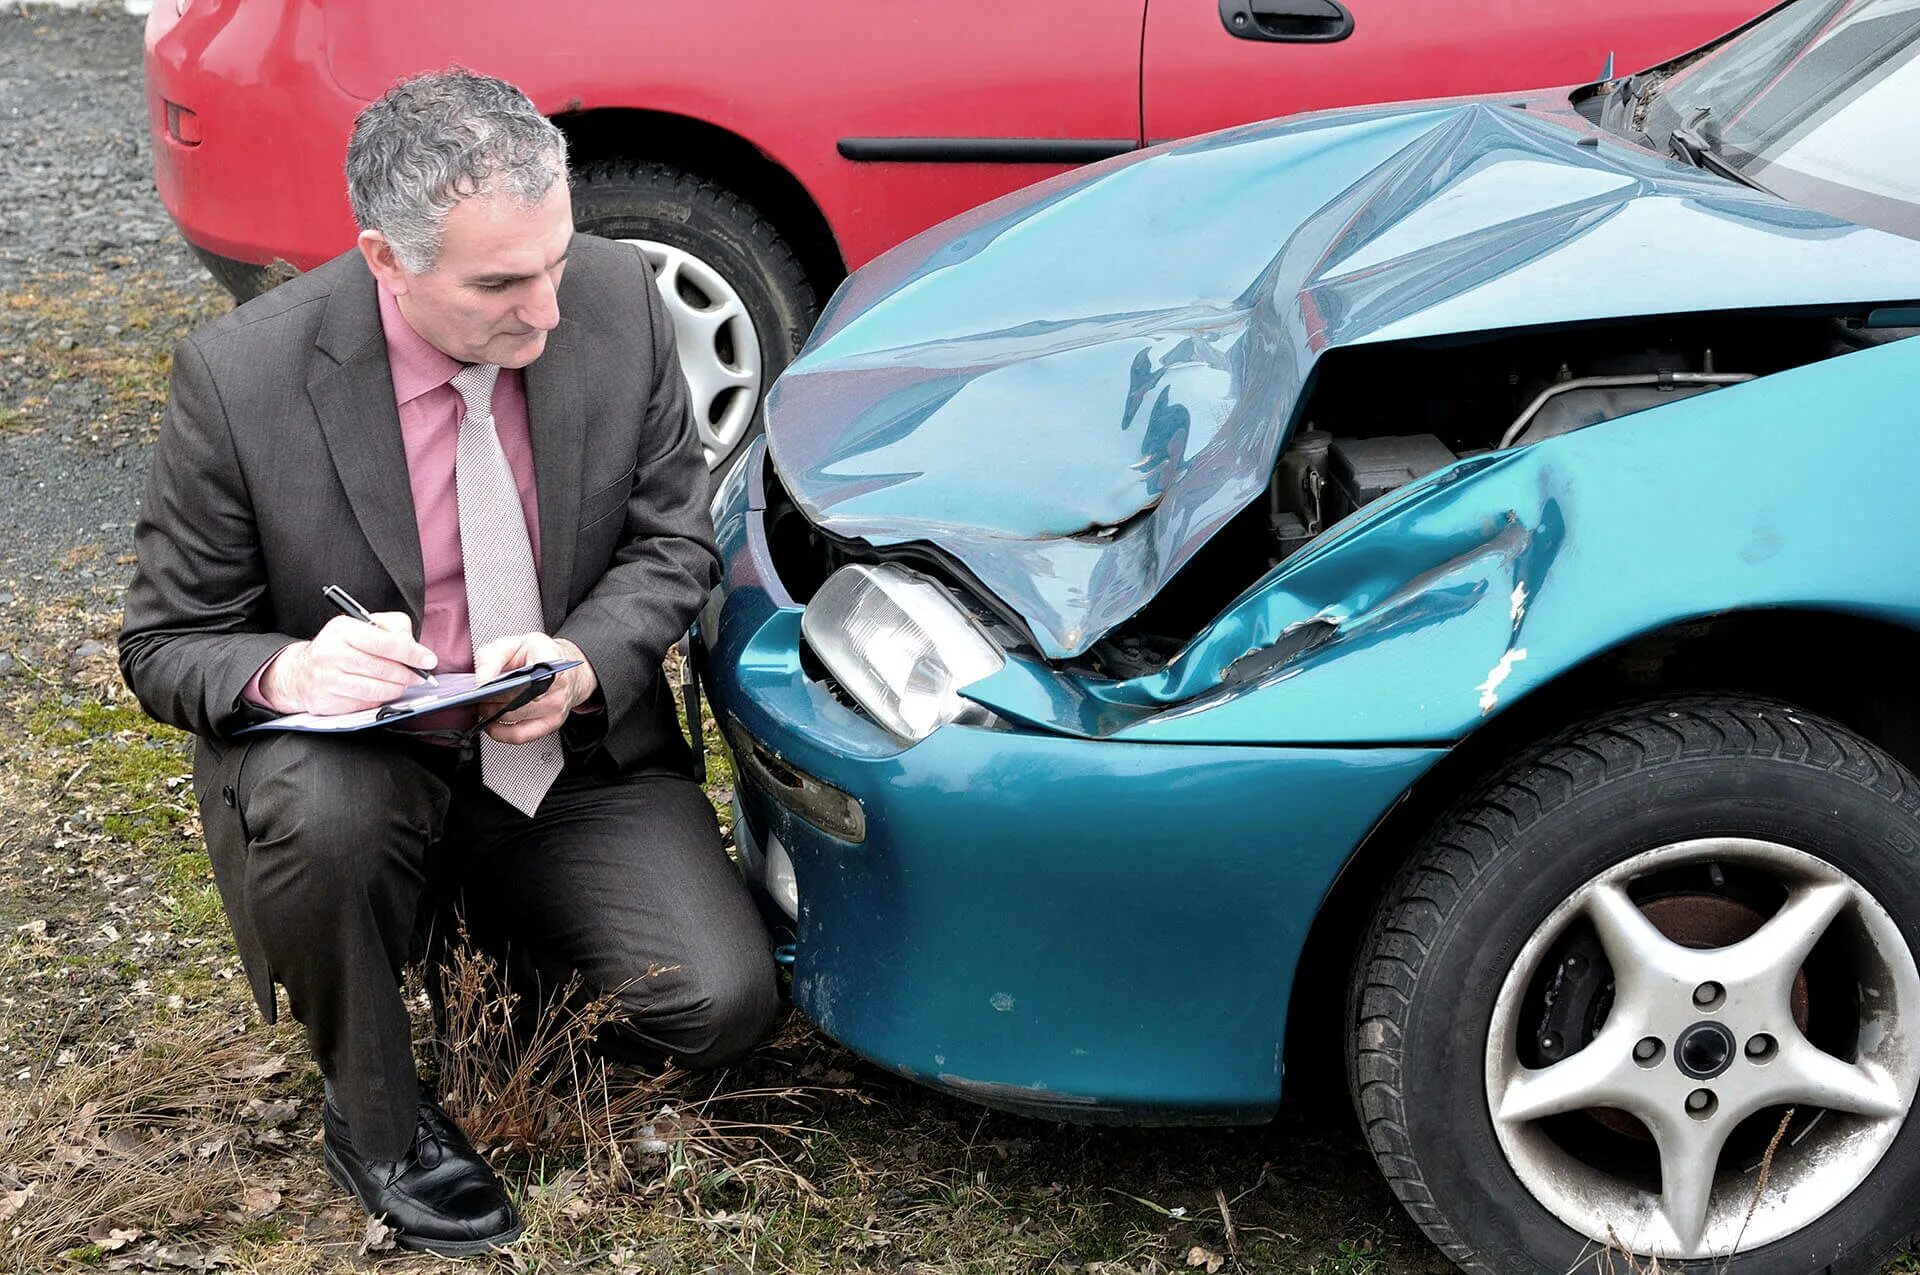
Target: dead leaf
(1197, 1256)
(112, 1238)
(12, 1202)
(272, 1114)
(577, 1208)
(265, 1069)
(259, 1200)
(377, 1238)
(185, 1257)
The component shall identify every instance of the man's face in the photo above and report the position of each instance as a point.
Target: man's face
(491, 296)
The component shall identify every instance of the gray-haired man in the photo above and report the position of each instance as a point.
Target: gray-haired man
(474, 422)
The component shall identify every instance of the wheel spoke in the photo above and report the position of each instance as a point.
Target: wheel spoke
(704, 324)
(707, 380)
(666, 275)
(1689, 1156)
(1804, 1073)
(1634, 946)
(1780, 947)
(1600, 1075)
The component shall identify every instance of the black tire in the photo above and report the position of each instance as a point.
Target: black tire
(1453, 922)
(626, 199)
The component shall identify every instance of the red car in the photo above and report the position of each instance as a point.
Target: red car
(761, 151)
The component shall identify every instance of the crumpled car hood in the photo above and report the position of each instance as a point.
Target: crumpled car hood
(1070, 389)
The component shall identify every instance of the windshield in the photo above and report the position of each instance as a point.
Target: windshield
(1815, 103)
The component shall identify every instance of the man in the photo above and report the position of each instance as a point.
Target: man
(474, 423)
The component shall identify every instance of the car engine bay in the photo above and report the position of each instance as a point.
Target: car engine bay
(1377, 418)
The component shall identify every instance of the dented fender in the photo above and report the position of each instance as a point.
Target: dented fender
(1469, 590)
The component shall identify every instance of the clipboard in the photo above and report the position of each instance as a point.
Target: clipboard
(454, 690)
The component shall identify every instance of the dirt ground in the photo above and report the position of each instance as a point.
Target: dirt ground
(150, 1121)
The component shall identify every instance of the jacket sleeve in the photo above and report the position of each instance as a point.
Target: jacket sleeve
(196, 627)
(666, 564)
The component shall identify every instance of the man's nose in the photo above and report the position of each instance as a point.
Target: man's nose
(542, 310)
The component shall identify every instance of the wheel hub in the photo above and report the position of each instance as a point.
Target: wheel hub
(1704, 1050)
(1584, 992)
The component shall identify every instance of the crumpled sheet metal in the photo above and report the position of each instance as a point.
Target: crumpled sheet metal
(1488, 581)
(1070, 389)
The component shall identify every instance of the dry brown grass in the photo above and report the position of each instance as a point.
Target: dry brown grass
(145, 1134)
(542, 1092)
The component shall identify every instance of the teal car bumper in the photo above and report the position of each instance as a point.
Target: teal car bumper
(1084, 929)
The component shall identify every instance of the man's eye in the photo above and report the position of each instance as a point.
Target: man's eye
(493, 287)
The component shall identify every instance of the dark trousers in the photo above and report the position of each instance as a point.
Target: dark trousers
(353, 840)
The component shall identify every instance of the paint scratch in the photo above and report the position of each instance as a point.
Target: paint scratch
(1518, 609)
(1489, 689)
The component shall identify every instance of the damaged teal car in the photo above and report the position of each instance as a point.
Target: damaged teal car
(1430, 592)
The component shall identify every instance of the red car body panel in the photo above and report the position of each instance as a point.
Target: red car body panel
(1195, 77)
(273, 86)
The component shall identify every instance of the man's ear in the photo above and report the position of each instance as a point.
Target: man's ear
(385, 266)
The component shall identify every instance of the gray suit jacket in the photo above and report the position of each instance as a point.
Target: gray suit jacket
(280, 469)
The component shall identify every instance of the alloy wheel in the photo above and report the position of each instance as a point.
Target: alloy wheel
(1712, 1098)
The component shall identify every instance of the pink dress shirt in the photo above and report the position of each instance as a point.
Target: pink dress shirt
(430, 416)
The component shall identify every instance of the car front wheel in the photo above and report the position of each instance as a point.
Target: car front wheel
(1651, 991)
(741, 303)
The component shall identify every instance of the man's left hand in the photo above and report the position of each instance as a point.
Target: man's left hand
(547, 714)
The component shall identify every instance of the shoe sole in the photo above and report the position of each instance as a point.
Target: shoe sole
(439, 1248)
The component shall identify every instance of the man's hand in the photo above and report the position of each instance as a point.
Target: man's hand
(545, 715)
(349, 665)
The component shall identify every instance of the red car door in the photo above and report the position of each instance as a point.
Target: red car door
(1210, 64)
(893, 116)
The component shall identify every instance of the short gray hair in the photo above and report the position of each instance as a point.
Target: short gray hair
(436, 139)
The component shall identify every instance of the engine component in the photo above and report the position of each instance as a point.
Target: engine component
(1587, 400)
(1365, 469)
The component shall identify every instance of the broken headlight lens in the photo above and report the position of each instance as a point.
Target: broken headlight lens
(899, 645)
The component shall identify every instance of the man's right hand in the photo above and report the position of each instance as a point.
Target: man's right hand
(349, 665)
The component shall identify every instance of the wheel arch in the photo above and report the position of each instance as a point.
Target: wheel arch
(1855, 682)
(709, 151)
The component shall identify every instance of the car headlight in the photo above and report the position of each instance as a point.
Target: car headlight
(899, 644)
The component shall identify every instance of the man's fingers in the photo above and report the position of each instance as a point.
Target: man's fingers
(380, 669)
(527, 725)
(388, 643)
(497, 655)
(344, 692)
(507, 653)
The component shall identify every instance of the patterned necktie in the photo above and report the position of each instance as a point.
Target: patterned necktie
(503, 588)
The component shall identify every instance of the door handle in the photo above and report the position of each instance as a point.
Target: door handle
(1287, 21)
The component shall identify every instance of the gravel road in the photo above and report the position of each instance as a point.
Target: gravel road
(79, 206)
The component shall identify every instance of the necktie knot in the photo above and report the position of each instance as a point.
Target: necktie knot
(475, 385)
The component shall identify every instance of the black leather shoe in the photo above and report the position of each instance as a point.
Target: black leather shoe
(441, 1197)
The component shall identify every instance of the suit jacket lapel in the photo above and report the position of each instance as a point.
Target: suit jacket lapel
(354, 403)
(557, 421)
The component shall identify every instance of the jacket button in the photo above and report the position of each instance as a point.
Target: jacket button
(226, 795)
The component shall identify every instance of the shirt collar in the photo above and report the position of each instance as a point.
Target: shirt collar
(417, 365)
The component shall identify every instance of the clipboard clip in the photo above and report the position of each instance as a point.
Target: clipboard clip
(541, 673)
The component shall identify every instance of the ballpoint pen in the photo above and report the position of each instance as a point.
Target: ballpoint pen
(344, 603)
